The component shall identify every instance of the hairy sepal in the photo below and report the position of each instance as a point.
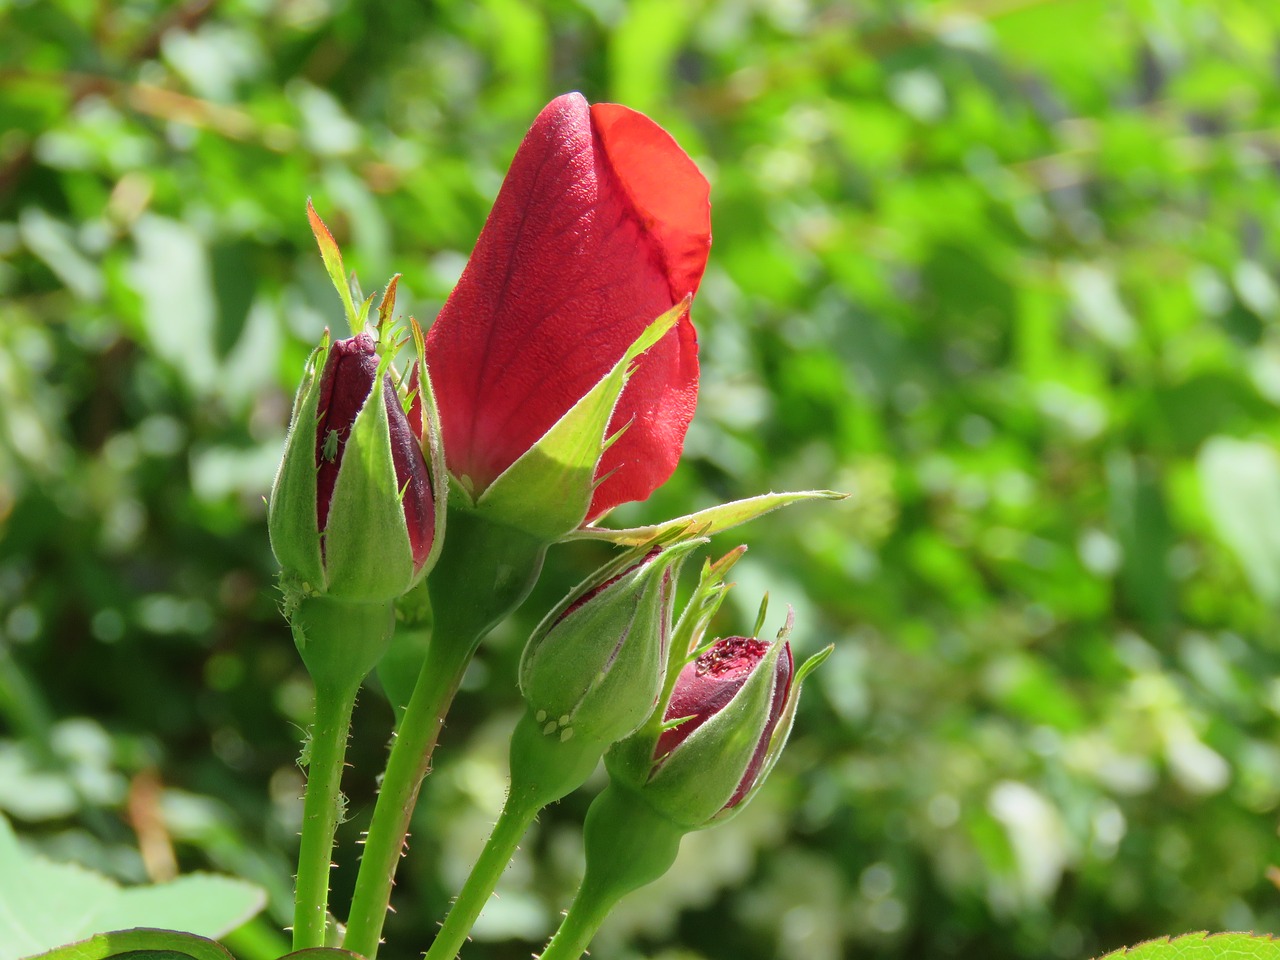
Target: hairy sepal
(367, 552)
(291, 512)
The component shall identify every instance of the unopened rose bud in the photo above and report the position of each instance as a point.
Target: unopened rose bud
(595, 667)
(725, 722)
(708, 685)
(717, 733)
(352, 515)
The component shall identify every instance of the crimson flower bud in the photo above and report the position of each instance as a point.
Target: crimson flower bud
(694, 763)
(347, 382)
(724, 724)
(352, 514)
(708, 685)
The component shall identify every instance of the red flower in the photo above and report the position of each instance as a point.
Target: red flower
(602, 224)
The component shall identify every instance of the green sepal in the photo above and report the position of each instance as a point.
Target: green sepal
(631, 759)
(362, 314)
(341, 642)
(598, 671)
(704, 523)
(434, 447)
(781, 733)
(332, 258)
(547, 491)
(699, 778)
(366, 544)
(386, 307)
(291, 513)
(691, 629)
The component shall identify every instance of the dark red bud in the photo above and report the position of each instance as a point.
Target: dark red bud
(706, 686)
(345, 385)
(414, 413)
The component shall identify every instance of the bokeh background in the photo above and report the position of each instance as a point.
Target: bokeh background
(1004, 270)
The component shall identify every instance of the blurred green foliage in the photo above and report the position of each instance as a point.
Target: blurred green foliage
(1005, 270)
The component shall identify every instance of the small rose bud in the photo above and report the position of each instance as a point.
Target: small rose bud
(352, 514)
(708, 685)
(595, 667)
(692, 765)
(345, 385)
(724, 724)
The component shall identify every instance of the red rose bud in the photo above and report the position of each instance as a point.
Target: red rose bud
(724, 725)
(345, 385)
(718, 734)
(351, 513)
(708, 685)
(595, 667)
(602, 225)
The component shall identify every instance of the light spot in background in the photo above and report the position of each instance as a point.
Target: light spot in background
(23, 623)
(877, 881)
(943, 810)
(919, 93)
(1097, 304)
(1256, 289)
(1100, 552)
(1108, 827)
(107, 625)
(1037, 835)
(1196, 767)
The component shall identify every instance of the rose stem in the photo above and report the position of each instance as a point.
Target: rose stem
(321, 810)
(408, 763)
(512, 824)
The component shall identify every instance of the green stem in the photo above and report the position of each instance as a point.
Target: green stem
(590, 907)
(627, 845)
(544, 769)
(512, 824)
(321, 811)
(407, 765)
(484, 572)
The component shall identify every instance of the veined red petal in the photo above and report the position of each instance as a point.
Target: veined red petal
(602, 224)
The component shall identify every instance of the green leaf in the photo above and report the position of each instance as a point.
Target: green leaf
(1203, 946)
(140, 945)
(548, 490)
(44, 904)
(704, 523)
